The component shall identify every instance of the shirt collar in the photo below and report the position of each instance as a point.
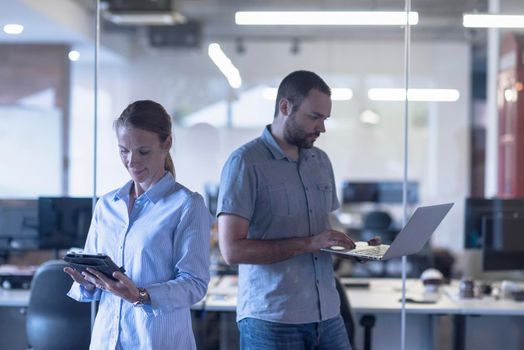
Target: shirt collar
(154, 194)
(272, 144)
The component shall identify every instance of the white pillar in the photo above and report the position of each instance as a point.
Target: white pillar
(491, 171)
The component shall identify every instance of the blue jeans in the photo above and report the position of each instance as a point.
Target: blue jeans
(263, 335)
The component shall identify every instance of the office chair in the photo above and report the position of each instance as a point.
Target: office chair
(378, 223)
(345, 312)
(55, 321)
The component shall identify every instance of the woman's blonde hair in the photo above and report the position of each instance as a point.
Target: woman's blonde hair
(150, 116)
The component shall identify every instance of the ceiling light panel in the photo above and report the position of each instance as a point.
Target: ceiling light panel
(326, 18)
(428, 95)
(337, 94)
(492, 21)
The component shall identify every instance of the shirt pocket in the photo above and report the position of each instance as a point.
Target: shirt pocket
(325, 192)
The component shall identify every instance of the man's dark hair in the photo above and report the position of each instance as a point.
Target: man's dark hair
(297, 85)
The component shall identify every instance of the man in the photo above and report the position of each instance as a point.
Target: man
(275, 196)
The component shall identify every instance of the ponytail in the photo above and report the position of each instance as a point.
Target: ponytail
(169, 165)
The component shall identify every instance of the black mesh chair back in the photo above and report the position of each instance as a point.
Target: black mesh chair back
(378, 223)
(377, 220)
(54, 320)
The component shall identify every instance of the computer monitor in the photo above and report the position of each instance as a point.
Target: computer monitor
(503, 247)
(18, 224)
(387, 192)
(476, 209)
(63, 222)
(392, 192)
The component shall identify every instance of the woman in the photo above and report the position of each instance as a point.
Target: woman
(158, 231)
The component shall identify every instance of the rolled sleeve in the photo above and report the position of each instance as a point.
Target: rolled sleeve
(237, 188)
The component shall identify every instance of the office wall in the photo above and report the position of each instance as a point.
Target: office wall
(31, 152)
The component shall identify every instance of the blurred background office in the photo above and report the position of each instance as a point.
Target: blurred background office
(217, 75)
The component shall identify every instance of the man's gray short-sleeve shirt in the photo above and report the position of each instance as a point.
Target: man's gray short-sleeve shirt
(282, 198)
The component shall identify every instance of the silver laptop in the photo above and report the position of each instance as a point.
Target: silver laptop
(410, 240)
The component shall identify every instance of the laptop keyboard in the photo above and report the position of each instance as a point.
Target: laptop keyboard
(377, 251)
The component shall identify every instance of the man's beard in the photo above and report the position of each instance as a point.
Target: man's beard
(294, 134)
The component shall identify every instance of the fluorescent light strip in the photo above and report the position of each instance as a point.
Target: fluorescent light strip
(430, 95)
(145, 19)
(492, 21)
(337, 94)
(13, 29)
(325, 18)
(225, 65)
(341, 94)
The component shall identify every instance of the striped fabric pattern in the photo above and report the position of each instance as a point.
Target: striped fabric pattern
(282, 198)
(163, 245)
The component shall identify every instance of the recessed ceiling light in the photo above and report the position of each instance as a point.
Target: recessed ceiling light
(326, 18)
(74, 55)
(13, 29)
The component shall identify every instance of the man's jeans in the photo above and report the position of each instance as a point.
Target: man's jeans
(263, 335)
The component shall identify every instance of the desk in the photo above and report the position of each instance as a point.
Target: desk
(499, 319)
(382, 299)
(14, 298)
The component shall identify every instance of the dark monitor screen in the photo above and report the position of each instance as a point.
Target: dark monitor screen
(378, 192)
(503, 247)
(18, 224)
(63, 222)
(478, 208)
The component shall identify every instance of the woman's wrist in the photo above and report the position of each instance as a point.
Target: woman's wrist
(89, 287)
(142, 297)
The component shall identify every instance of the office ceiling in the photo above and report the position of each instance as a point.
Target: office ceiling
(439, 19)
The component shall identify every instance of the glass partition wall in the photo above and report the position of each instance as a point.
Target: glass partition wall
(40, 49)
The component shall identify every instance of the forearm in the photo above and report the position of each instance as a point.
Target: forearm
(250, 251)
(182, 292)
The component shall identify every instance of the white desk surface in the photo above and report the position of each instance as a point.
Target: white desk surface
(15, 297)
(484, 305)
(381, 297)
(384, 294)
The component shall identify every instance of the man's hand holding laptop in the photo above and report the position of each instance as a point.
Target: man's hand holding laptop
(330, 238)
(338, 241)
(373, 242)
